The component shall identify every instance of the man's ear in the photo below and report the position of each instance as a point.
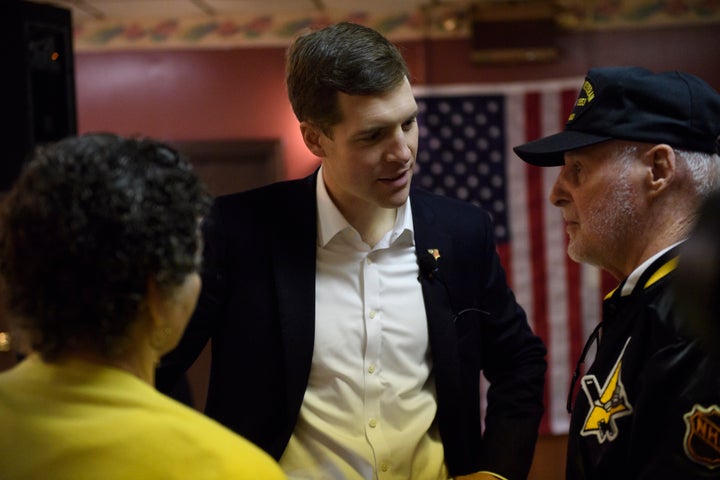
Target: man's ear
(662, 166)
(312, 135)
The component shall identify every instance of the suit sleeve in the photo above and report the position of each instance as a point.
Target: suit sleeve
(513, 361)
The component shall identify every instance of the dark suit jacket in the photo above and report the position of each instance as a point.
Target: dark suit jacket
(258, 306)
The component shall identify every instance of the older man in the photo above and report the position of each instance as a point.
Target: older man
(637, 156)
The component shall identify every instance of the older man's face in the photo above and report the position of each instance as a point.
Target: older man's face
(598, 193)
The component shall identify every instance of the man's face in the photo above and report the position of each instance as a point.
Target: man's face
(369, 156)
(599, 194)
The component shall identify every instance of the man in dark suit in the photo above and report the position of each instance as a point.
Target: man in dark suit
(349, 325)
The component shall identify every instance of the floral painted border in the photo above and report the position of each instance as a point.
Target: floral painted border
(609, 14)
(228, 31)
(235, 31)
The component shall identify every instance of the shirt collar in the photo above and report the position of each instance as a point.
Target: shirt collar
(631, 281)
(331, 221)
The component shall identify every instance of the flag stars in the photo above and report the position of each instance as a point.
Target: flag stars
(461, 151)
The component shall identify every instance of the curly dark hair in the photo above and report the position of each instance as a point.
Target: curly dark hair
(88, 222)
(345, 57)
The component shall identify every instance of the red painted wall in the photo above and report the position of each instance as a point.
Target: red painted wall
(239, 93)
(190, 95)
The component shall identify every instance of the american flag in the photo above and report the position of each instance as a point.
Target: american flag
(466, 137)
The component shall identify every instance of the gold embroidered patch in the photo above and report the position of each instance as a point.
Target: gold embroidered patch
(702, 435)
(607, 403)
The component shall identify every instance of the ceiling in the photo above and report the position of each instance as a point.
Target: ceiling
(123, 24)
(118, 9)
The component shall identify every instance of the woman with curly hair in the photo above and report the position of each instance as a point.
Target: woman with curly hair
(99, 259)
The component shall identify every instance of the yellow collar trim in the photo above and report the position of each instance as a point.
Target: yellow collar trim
(668, 267)
(662, 271)
(611, 292)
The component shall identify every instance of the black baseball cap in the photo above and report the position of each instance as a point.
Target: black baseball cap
(633, 103)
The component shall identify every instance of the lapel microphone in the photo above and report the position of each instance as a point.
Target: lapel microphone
(430, 270)
(428, 266)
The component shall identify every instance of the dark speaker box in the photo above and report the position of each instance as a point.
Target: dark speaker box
(36, 47)
(519, 31)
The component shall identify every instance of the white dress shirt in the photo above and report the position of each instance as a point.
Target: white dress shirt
(369, 409)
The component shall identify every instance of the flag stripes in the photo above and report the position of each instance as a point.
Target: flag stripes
(466, 137)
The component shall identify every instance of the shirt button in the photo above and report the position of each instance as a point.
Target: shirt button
(372, 314)
(372, 423)
(384, 467)
(371, 369)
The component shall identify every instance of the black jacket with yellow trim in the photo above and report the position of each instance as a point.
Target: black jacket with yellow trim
(649, 406)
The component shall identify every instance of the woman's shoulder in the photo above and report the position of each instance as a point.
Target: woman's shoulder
(203, 444)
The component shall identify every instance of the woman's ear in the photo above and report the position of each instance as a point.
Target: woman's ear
(156, 303)
(662, 166)
(312, 135)
(160, 332)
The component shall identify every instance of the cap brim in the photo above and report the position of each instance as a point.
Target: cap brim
(550, 151)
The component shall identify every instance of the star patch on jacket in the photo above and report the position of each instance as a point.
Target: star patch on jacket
(702, 435)
(607, 404)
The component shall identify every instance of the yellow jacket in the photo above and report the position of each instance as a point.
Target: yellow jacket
(80, 421)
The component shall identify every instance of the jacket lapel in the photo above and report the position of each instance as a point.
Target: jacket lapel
(294, 251)
(444, 343)
(428, 237)
(437, 292)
